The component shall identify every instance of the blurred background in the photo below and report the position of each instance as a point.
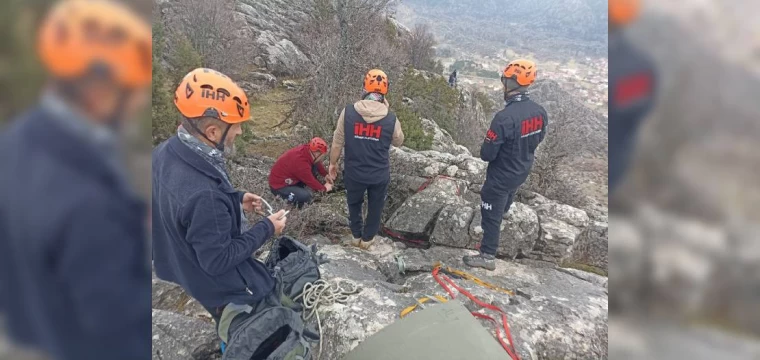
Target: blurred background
(684, 240)
(22, 78)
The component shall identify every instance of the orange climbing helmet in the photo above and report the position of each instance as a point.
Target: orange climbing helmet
(622, 12)
(206, 92)
(77, 35)
(318, 145)
(376, 82)
(522, 70)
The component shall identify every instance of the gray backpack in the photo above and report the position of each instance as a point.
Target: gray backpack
(293, 264)
(275, 333)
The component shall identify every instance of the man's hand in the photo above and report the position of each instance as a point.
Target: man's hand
(328, 187)
(252, 203)
(278, 219)
(333, 172)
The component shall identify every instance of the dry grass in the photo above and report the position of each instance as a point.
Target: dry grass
(262, 135)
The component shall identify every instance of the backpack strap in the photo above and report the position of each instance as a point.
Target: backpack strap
(230, 312)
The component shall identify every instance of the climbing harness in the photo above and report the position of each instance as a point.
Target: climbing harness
(323, 293)
(441, 275)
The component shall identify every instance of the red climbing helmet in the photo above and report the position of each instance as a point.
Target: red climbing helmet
(318, 145)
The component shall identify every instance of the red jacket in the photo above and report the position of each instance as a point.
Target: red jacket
(295, 167)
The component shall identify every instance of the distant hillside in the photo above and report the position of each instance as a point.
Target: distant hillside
(550, 29)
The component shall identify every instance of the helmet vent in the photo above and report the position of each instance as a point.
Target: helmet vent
(237, 100)
(207, 86)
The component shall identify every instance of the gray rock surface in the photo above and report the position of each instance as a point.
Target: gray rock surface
(282, 57)
(442, 140)
(555, 241)
(519, 231)
(590, 247)
(565, 213)
(276, 23)
(453, 225)
(179, 337)
(553, 315)
(417, 215)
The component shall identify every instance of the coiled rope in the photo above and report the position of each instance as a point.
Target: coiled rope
(324, 293)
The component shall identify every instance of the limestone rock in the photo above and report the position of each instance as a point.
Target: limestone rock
(565, 213)
(178, 337)
(556, 239)
(417, 214)
(452, 227)
(591, 246)
(519, 231)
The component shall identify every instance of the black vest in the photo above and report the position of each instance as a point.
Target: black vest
(367, 147)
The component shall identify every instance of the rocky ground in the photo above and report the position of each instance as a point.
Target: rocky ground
(557, 312)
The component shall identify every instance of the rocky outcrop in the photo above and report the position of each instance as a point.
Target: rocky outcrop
(442, 141)
(417, 215)
(557, 238)
(553, 315)
(276, 23)
(590, 247)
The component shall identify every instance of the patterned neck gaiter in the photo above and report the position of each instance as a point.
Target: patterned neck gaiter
(210, 154)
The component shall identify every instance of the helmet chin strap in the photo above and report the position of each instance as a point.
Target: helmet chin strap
(220, 145)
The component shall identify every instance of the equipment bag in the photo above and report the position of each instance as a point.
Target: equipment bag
(275, 333)
(294, 264)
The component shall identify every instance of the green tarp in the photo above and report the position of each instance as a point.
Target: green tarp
(442, 331)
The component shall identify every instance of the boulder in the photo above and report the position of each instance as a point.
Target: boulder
(417, 214)
(452, 227)
(179, 337)
(282, 56)
(265, 81)
(590, 247)
(530, 198)
(556, 239)
(442, 140)
(519, 231)
(565, 213)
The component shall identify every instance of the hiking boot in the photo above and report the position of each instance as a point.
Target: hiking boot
(364, 245)
(352, 242)
(480, 260)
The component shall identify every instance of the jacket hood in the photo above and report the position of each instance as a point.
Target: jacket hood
(371, 110)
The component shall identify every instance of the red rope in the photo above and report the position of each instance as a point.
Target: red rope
(509, 347)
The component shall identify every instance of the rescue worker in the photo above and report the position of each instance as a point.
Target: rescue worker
(296, 169)
(198, 242)
(509, 148)
(367, 129)
(74, 264)
(453, 79)
(632, 89)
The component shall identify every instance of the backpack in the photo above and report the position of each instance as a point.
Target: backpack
(270, 331)
(293, 264)
(275, 333)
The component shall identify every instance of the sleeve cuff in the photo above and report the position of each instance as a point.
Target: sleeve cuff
(270, 227)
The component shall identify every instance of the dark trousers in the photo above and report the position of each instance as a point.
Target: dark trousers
(376, 194)
(494, 204)
(296, 194)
